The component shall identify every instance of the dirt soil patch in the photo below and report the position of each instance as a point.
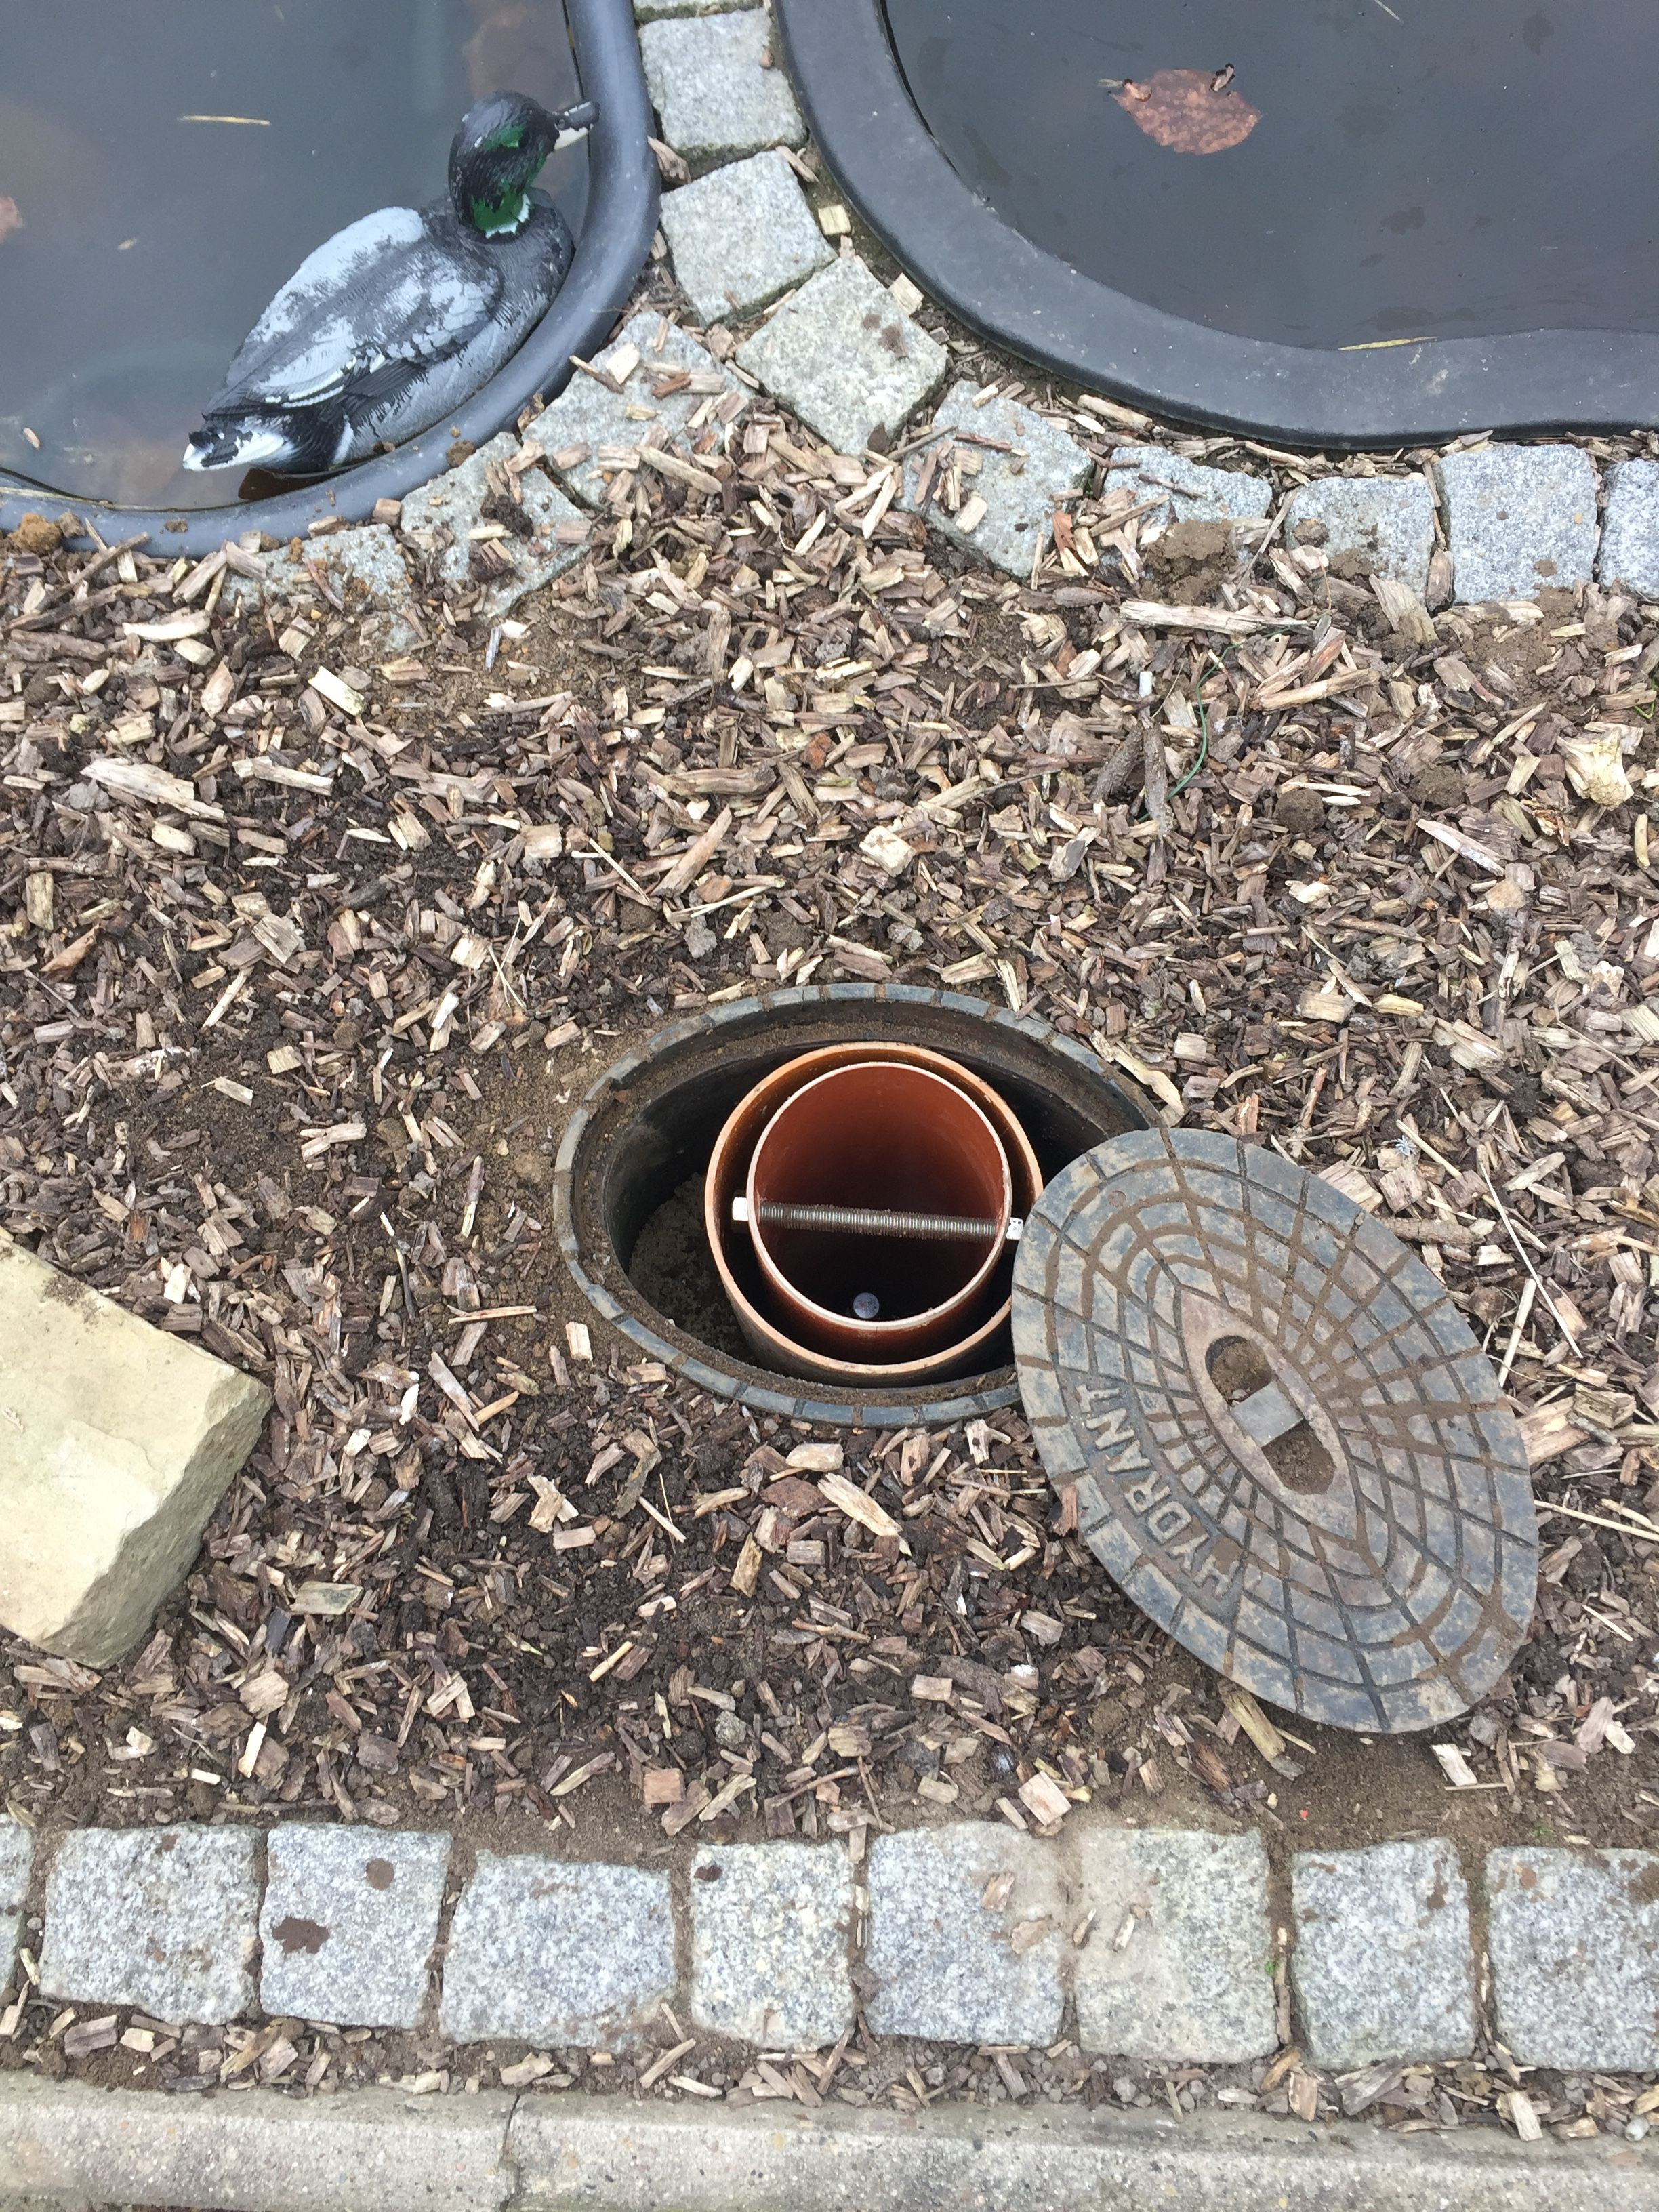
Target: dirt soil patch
(298, 1000)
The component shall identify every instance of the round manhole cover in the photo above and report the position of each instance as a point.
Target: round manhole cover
(1286, 1446)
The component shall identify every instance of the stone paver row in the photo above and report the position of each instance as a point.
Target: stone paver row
(970, 1933)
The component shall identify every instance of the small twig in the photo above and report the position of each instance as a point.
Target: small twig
(1509, 1225)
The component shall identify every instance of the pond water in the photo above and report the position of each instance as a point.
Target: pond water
(1418, 168)
(151, 230)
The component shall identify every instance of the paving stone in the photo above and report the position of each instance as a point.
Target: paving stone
(364, 566)
(162, 1918)
(844, 357)
(944, 1961)
(117, 1440)
(1520, 520)
(769, 1943)
(548, 1952)
(16, 1857)
(710, 89)
(587, 413)
(1019, 489)
(1630, 528)
(453, 501)
(1574, 1942)
(1383, 1967)
(1189, 491)
(1194, 1978)
(741, 235)
(652, 11)
(349, 1921)
(1388, 521)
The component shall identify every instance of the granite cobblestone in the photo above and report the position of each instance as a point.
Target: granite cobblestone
(16, 1859)
(1519, 519)
(963, 1933)
(712, 83)
(350, 1922)
(1382, 1966)
(1574, 1942)
(770, 1930)
(742, 234)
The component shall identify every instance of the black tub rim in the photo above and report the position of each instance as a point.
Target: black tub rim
(723, 1375)
(888, 164)
(624, 195)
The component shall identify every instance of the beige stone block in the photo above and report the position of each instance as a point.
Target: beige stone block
(117, 1440)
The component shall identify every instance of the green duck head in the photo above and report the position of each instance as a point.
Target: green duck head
(497, 155)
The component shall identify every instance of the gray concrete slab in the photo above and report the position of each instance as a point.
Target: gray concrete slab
(652, 11)
(611, 424)
(70, 2147)
(1573, 1937)
(769, 1929)
(162, 1918)
(1630, 528)
(74, 2148)
(844, 357)
(741, 235)
(1519, 519)
(1386, 522)
(965, 1935)
(718, 85)
(1382, 1965)
(349, 1921)
(573, 2151)
(443, 515)
(1019, 475)
(556, 1953)
(1179, 1962)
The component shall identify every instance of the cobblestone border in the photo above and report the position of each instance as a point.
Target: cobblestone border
(1165, 1945)
(72, 2148)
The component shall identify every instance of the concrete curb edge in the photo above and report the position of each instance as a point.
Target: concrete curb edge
(66, 2147)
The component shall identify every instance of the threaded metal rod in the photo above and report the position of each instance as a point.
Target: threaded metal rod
(870, 1221)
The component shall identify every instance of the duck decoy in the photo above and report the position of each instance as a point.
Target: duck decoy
(395, 320)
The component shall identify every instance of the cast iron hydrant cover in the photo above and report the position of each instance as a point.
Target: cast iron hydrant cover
(1285, 1444)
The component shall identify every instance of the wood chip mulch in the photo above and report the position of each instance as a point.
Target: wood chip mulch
(308, 950)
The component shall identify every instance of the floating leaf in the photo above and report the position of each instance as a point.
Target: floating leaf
(1183, 110)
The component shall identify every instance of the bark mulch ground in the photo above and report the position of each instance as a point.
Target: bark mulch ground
(307, 953)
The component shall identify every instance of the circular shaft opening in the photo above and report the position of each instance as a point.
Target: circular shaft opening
(654, 1154)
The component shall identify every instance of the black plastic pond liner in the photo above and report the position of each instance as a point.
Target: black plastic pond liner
(622, 200)
(896, 175)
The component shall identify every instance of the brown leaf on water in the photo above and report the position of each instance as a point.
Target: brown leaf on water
(1183, 111)
(9, 218)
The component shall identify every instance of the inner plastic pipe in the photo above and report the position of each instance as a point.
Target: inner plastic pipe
(726, 1184)
(874, 1136)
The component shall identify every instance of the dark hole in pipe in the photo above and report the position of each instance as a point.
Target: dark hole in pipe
(882, 1135)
